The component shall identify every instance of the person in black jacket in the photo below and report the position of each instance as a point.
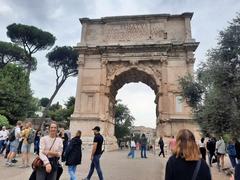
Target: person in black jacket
(161, 144)
(73, 155)
(186, 161)
(237, 172)
(211, 147)
(237, 147)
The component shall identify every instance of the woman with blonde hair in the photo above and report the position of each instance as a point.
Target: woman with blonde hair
(186, 163)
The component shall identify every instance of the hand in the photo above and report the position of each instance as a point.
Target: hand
(46, 152)
(48, 168)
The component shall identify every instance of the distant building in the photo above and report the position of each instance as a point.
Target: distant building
(149, 132)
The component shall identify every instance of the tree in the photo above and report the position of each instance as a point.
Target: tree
(64, 61)
(62, 114)
(70, 102)
(123, 120)
(32, 40)
(44, 102)
(214, 93)
(15, 93)
(3, 121)
(10, 53)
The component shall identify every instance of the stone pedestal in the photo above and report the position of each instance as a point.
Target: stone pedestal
(86, 126)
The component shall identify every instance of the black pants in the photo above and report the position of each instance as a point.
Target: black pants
(203, 152)
(41, 174)
(211, 154)
(162, 151)
(19, 149)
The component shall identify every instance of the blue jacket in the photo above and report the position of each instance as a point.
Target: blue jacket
(231, 150)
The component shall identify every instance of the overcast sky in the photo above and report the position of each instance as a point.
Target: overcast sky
(61, 19)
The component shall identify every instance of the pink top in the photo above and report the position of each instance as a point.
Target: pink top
(172, 144)
(45, 145)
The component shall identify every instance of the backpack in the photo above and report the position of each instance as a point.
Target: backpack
(11, 136)
(31, 136)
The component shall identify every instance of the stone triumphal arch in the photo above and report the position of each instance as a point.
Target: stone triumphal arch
(153, 49)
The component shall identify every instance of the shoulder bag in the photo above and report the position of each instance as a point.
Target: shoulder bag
(37, 162)
(194, 177)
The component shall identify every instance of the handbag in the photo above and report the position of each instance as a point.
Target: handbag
(37, 162)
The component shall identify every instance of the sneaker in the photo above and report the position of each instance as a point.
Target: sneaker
(14, 161)
(10, 165)
(85, 178)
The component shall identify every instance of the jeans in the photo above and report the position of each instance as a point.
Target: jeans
(143, 151)
(233, 160)
(95, 164)
(36, 147)
(132, 152)
(1, 144)
(71, 172)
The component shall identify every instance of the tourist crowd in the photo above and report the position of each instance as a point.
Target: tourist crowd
(50, 146)
(188, 160)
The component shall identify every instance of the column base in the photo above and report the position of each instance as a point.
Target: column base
(85, 125)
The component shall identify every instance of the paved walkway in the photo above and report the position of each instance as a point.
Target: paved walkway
(115, 165)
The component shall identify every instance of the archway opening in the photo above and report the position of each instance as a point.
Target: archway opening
(140, 96)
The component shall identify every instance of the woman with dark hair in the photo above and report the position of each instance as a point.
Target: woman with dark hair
(37, 141)
(202, 148)
(185, 163)
(50, 151)
(143, 142)
(73, 155)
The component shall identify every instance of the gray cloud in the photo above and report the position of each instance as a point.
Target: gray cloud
(61, 18)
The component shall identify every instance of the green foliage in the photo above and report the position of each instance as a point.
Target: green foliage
(55, 107)
(44, 101)
(70, 103)
(123, 121)
(64, 61)
(191, 90)
(62, 114)
(3, 121)
(15, 94)
(218, 83)
(10, 53)
(33, 107)
(32, 39)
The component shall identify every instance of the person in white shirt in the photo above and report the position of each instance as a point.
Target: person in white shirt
(14, 144)
(3, 138)
(221, 151)
(202, 148)
(132, 148)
